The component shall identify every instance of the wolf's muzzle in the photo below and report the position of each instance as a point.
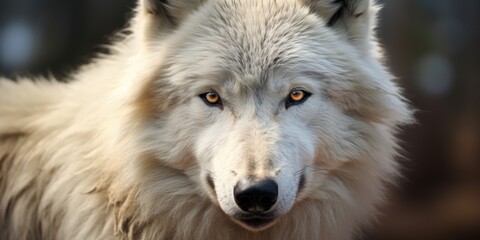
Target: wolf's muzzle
(256, 196)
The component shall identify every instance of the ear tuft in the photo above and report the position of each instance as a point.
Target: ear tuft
(342, 5)
(353, 18)
(160, 9)
(347, 10)
(154, 7)
(157, 17)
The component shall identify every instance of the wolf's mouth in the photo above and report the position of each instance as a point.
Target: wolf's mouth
(255, 222)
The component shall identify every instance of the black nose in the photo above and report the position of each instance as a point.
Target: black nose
(255, 196)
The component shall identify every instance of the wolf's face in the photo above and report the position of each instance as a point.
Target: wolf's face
(262, 102)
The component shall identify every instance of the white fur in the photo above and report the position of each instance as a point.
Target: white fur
(123, 151)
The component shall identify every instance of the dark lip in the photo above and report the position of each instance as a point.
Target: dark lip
(254, 221)
(301, 184)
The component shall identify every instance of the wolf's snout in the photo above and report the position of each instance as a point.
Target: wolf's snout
(255, 196)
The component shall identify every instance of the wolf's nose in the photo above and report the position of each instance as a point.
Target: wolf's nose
(255, 196)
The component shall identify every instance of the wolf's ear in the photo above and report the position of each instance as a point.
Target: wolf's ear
(355, 19)
(161, 16)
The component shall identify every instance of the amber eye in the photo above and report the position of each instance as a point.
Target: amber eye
(211, 98)
(296, 96)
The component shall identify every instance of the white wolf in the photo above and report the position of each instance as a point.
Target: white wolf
(212, 119)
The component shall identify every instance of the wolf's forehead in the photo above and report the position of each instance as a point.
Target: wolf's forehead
(255, 36)
(250, 42)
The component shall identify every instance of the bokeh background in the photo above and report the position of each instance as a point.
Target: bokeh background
(433, 46)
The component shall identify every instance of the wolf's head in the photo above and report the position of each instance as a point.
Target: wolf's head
(268, 103)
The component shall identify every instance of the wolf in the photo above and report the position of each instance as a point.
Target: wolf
(210, 119)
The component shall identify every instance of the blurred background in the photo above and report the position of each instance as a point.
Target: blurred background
(433, 46)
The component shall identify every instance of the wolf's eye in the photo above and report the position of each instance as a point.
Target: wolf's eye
(296, 96)
(211, 98)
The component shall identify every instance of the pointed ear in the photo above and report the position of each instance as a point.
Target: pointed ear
(355, 19)
(157, 17)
